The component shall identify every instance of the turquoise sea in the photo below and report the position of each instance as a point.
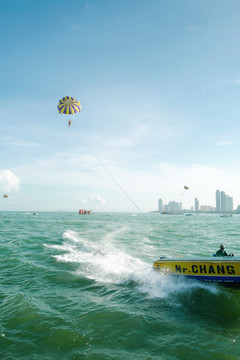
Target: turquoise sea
(83, 287)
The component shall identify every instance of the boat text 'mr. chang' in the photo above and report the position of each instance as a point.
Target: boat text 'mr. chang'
(217, 269)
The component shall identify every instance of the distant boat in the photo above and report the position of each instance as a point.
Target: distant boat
(189, 214)
(84, 212)
(170, 213)
(226, 215)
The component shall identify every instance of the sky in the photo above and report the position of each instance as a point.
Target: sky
(159, 85)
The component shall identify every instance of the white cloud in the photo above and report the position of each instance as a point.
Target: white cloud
(235, 81)
(225, 143)
(26, 144)
(83, 200)
(98, 199)
(190, 28)
(92, 199)
(8, 181)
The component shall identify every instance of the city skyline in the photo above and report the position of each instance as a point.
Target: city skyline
(224, 204)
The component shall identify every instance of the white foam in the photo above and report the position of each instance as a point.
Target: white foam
(159, 285)
(107, 261)
(64, 247)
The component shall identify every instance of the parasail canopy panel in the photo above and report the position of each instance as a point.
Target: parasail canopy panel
(69, 105)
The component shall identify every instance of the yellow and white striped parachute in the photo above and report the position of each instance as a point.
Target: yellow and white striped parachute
(69, 105)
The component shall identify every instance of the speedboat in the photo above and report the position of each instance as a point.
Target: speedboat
(217, 269)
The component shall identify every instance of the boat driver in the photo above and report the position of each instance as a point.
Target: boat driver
(222, 252)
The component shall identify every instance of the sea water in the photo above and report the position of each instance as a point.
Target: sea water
(83, 287)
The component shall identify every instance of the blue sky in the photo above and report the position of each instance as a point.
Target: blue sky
(159, 85)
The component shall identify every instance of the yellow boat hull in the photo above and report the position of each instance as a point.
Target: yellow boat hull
(217, 269)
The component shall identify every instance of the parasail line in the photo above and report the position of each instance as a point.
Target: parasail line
(115, 181)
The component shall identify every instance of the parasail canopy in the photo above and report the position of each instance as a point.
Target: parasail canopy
(5, 196)
(186, 187)
(69, 105)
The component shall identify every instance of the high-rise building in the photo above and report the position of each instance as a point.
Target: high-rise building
(224, 202)
(222, 199)
(160, 205)
(228, 203)
(218, 202)
(174, 206)
(196, 204)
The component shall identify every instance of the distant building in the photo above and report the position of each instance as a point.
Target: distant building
(228, 204)
(160, 205)
(165, 208)
(218, 202)
(222, 199)
(224, 202)
(174, 206)
(196, 204)
(206, 208)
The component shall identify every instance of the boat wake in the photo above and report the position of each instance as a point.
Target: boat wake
(108, 261)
